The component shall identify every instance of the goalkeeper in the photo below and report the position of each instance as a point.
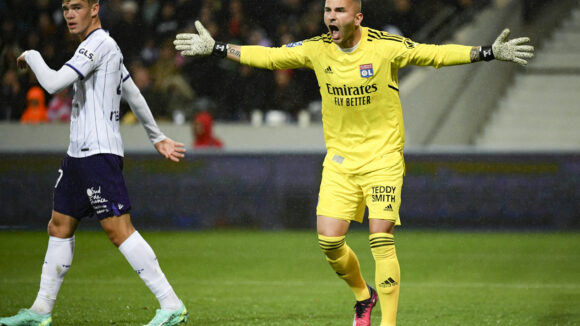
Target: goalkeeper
(356, 68)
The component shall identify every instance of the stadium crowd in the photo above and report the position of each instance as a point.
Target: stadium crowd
(175, 87)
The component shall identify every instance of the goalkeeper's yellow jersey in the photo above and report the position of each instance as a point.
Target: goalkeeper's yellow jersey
(361, 110)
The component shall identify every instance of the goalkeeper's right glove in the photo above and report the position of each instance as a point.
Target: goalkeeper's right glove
(201, 44)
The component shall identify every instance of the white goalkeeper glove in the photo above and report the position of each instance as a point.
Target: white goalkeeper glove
(201, 44)
(502, 49)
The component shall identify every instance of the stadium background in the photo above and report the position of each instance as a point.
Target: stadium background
(267, 175)
(489, 236)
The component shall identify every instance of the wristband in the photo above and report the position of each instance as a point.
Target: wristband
(486, 53)
(220, 49)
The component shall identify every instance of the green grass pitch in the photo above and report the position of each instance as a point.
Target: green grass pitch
(270, 278)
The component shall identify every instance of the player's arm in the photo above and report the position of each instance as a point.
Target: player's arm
(516, 50)
(51, 80)
(203, 44)
(167, 147)
(234, 52)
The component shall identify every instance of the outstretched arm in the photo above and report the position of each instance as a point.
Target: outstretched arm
(516, 50)
(202, 44)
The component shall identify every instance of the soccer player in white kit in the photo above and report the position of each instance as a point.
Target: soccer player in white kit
(90, 180)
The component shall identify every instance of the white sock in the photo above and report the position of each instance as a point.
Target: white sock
(59, 256)
(143, 260)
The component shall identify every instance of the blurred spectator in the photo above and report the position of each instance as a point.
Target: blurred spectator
(310, 22)
(203, 74)
(402, 18)
(128, 31)
(464, 4)
(209, 12)
(150, 52)
(35, 106)
(51, 55)
(167, 24)
(12, 101)
(287, 96)
(290, 11)
(110, 12)
(285, 37)
(46, 26)
(236, 27)
(60, 106)
(185, 8)
(251, 92)
(149, 12)
(203, 137)
(167, 78)
(8, 31)
(257, 36)
(32, 40)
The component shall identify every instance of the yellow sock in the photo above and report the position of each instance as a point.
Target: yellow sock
(345, 263)
(387, 275)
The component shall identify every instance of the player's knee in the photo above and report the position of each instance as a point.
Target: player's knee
(56, 228)
(118, 229)
(117, 237)
(332, 247)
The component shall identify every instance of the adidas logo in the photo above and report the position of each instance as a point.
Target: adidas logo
(388, 208)
(328, 70)
(388, 283)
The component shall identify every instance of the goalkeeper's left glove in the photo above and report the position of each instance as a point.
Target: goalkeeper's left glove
(515, 50)
(201, 44)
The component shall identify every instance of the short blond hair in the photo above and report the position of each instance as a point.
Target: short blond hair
(90, 2)
(357, 3)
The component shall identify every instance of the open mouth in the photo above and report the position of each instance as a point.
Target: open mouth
(334, 32)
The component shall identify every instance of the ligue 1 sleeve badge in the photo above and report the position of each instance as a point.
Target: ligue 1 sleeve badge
(366, 70)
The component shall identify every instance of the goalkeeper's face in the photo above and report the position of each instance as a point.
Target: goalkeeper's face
(343, 19)
(81, 16)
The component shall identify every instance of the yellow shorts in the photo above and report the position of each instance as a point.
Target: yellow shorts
(344, 196)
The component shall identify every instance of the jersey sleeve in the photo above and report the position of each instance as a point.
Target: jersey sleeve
(124, 73)
(52, 81)
(285, 57)
(140, 108)
(84, 60)
(420, 54)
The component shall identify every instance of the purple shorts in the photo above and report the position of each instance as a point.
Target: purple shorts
(91, 186)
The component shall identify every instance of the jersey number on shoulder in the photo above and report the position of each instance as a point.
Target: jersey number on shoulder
(120, 81)
(115, 114)
(119, 87)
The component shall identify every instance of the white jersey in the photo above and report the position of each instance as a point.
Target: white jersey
(95, 115)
